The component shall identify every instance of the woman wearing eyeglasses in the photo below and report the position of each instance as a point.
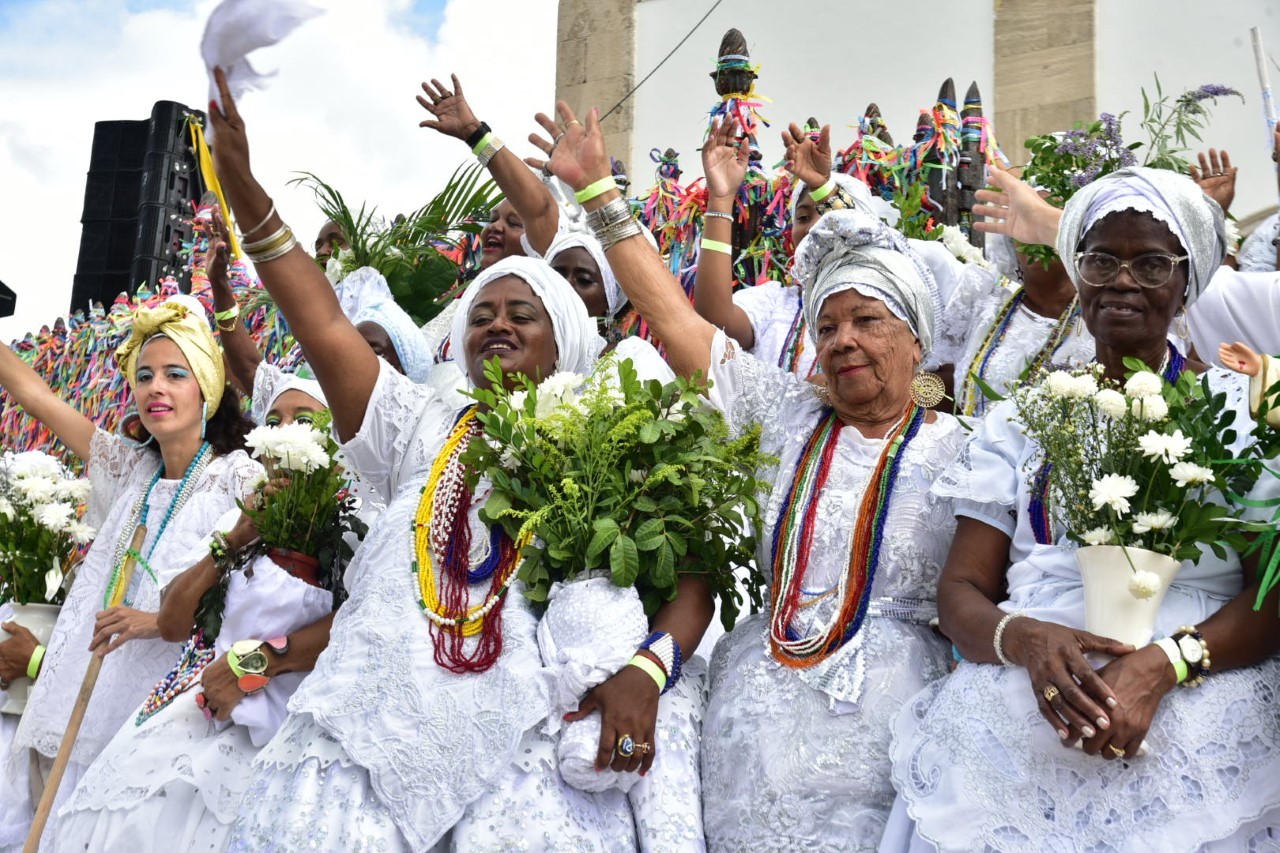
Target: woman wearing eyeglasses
(984, 759)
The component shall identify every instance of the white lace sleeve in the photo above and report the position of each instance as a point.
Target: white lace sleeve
(1257, 254)
(266, 379)
(983, 481)
(112, 459)
(974, 300)
(761, 304)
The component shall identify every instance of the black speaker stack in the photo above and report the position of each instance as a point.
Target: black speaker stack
(143, 178)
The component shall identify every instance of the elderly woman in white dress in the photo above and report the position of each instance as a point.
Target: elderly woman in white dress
(414, 730)
(189, 469)
(795, 752)
(984, 759)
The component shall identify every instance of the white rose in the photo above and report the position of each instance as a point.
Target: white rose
(1111, 403)
(1151, 409)
(1190, 474)
(1144, 584)
(1144, 384)
(1098, 536)
(1113, 490)
(1059, 383)
(1144, 522)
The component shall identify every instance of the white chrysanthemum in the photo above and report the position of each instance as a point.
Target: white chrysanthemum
(1144, 584)
(508, 459)
(75, 491)
(1084, 386)
(957, 244)
(1190, 474)
(1113, 490)
(1144, 383)
(52, 582)
(517, 400)
(1145, 522)
(1111, 403)
(295, 447)
(33, 463)
(1099, 536)
(261, 441)
(558, 391)
(1168, 448)
(54, 516)
(36, 490)
(81, 533)
(1060, 383)
(1151, 409)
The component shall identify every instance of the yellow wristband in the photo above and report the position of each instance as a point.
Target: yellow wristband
(33, 665)
(229, 314)
(599, 188)
(823, 191)
(655, 672)
(479, 146)
(716, 246)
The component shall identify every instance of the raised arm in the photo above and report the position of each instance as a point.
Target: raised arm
(343, 363)
(1015, 209)
(37, 398)
(238, 349)
(724, 163)
(527, 194)
(580, 160)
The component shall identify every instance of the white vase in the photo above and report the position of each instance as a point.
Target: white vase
(39, 619)
(1110, 610)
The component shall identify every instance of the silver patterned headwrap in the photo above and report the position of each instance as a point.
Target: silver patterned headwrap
(1176, 200)
(853, 250)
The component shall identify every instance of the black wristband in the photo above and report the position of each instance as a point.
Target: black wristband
(474, 139)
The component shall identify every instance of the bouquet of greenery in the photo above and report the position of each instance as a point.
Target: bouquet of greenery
(40, 528)
(1146, 464)
(607, 471)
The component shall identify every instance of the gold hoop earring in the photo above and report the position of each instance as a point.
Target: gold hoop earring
(927, 389)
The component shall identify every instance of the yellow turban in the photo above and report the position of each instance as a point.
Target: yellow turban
(188, 328)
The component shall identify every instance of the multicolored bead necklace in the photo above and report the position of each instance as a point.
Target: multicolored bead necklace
(441, 525)
(970, 397)
(793, 346)
(138, 515)
(196, 655)
(1038, 504)
(793, 541)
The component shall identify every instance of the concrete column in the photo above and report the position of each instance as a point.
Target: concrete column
(1044, 69)
(595, 63)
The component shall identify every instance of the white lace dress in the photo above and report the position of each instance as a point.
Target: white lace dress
(976, 766)
(966, 321)
(385, 750)
(798, 759)
(120, 473)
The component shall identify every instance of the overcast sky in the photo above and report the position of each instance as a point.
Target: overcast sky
(342, 106)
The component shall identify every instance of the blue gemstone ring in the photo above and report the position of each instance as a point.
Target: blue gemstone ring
(626, 746)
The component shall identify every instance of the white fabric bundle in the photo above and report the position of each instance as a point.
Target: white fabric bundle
(236, 28)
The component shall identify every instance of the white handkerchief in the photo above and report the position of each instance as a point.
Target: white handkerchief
(237, 28)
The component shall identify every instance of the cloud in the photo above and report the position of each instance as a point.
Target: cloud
(341, 105)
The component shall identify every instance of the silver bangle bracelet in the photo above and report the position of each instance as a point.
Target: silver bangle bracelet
(610, 215)
(274, 254)
(615, 235)
(490, 151)
(997, 640)
(718, 215)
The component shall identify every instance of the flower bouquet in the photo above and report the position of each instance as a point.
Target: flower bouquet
(40, 536)
(624, 485)
(1144, 475)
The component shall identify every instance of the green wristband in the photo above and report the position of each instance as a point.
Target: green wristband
(823, 191)
(233, 661)
(599, 188)
(655, 672)
(716, 246)
(33, 665)
(229, 314)
(479, 146)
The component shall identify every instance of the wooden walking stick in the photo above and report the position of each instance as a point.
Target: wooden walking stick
(82, 703)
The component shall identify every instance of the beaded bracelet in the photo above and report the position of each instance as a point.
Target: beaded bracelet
(717, 214)
(997, 640)
(595, 190)
(33, 665)
(664, 647)
(715, 246)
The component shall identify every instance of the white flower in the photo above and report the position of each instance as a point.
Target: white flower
(1098, 536)
(508, 459)
(1169, 448)
(76, 491)
(1144, 584)
(957, 244)
(1111, 403)
(1144, 522)
(33, 463)
(638, 475)
(36, 490)
(6, 509)
(1151, 408)
(296, 446)
(81, 533)
(54, 516)
(1113, 490)
(558, 391)
(333, 268)
(52, 582)
(1190, 474)
(1144, 383)
(1060, 383)
(260, 441)
(1084, 386)
(517, 400)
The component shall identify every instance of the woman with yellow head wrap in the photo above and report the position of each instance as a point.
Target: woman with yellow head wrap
(178, 466)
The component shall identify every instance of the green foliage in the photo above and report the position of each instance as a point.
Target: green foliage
(409, 251)
(914, 221)
(611, 473)
(1171, 123)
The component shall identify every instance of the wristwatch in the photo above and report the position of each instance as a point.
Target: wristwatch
(249, 662)
(1195, 651)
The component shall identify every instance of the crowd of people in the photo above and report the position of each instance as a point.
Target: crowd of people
(920, 677)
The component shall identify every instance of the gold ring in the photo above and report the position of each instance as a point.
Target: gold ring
(572, 123)
(626, 746)
(644, 748)
(1050, 693)
(1116, 751)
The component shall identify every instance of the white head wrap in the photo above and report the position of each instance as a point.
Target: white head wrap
(857, 190)
(853, 250)
(406, 337)
(297, 382)
(578, 240)
(578, 344)
(1176, 200)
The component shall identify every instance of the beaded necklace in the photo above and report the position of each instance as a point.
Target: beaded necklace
(138, 515)
(441, 526)
(793, 346)
(793, 541)
(196, 655)
(1038, 504)
(971, 400)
